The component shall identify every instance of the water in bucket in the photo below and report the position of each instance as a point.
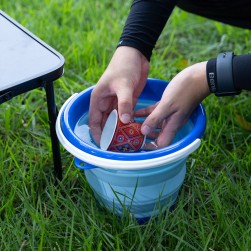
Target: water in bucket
(82, 129)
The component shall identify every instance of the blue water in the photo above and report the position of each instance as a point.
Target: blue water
(82, 129)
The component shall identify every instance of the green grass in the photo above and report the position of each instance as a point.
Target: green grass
(213, 208)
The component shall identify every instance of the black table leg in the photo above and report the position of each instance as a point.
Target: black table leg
(52, 112)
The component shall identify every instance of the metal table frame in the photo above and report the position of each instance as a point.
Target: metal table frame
(29, 80)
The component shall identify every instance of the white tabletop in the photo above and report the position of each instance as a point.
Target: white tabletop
(23, 56)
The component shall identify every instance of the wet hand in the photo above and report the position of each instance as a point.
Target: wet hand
(182, 95)
(118, 88)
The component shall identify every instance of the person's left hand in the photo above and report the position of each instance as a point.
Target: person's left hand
(182, 95)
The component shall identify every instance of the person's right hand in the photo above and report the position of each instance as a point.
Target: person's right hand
(119, 87)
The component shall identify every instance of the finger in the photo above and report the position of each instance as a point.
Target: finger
(169, 129)
(94, 119)
(125, 104)
(95, 122)
(152, 145)
(153, 135)
(144, 112)
(153, 120)
(104, 118)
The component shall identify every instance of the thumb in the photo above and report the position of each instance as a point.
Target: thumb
(155, 118)
(125, 103)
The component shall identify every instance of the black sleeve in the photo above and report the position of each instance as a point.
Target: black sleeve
(241, 73)
(145, 23)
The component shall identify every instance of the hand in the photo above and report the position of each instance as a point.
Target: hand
(182, 95)
(119, 87)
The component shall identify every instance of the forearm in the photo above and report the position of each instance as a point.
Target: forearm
(145, 23)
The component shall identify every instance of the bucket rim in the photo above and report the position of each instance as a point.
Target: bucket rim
(196, 132)
(125, 164)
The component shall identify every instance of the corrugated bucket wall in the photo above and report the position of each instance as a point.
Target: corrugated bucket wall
(143, 182)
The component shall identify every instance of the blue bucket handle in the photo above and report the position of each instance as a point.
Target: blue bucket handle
(83, 165)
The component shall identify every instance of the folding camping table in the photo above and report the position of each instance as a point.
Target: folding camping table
(27, 63)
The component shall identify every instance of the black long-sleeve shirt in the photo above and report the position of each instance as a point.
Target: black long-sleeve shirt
(147, 19)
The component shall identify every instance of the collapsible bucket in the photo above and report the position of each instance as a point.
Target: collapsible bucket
(142, 183)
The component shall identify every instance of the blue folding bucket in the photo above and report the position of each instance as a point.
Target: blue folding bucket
(142, 183)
